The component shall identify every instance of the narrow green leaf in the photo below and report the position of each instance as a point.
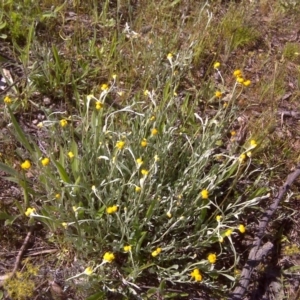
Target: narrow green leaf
(62, 172)
(139, 243)
(8, 170)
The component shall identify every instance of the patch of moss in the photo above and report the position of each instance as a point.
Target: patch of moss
(21, 286)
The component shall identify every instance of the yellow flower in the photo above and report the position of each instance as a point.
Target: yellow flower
(247, 83)
(137, 189)
(70, 154)
(228, 232)
(88, 271)
(217, 65)
(218, 218)
(249, 154)
(65, 225)
(233, 133)
(169, 215)
(242, 228)
(120, 145)
(144, 143)
(114, 76)
(111, 209)
(99, 105)
(40, 125)
(154, 131)
(29, 211)
(45, 161)
(196, 275)
(145, 172)
(170, 56)
(104, 87)
(63, 123)
(26, 165)
(204, 194)
(156, 158)
(242, 157)
(7, 100)
(221, 239)
(146, 92)
(240, 79)
(127, 248)
(75, 208)
(212, 258)
(237, 73)
(253, 143)
(139, 161)
(218, 94)
(152, 118)
(57, 196)
(108, 257)
(156, 252)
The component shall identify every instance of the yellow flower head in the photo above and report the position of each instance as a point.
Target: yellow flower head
(144, 172)
(204, 194)
(217, 65)
(63, 123)
(156, 252)
(29, 211)
(7, 100)
(237, 73)
(127, 248)
(242, 157)
(240, 79)
(111, 209)
(98, 105)
(152, 118)
(228, 232)
(212, 258)
(233, 133)
(120, 145)
(242, 228)
(169, 215)
(104, 87)
(65, 225)
(108, 257)
(196, 275)
(218, 94)
(138, 189)
(246, 82)
(144, 143)
(71, 154)
(253, 143)
(45, 161)
(26, 165)
(170, 56)
(139, 161)
(114, 76)
(154, 131)
(218, 218)
(57, 196)
(146, 92)
(88, 271)
(156, 158)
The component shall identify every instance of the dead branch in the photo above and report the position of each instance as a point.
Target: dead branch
(18, 258)
(258, 252)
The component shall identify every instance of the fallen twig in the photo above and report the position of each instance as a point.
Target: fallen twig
(258, 252)
(18, 258)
